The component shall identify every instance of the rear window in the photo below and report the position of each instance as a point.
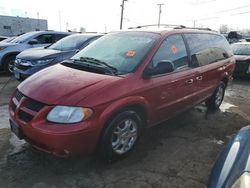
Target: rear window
(207, 48)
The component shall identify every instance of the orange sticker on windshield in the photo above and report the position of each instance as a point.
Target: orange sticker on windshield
(173, 49)
(131, 53)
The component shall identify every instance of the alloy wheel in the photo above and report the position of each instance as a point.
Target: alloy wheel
(124, 136)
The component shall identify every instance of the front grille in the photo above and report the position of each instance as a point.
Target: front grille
(34, 105)
(19, 95)
(21, 67)
(241, 67)
(25, 116)
(28, 103)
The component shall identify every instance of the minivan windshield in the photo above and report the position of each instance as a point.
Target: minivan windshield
(241, 49)
(121, 50)
(71, 42)
(22, 38)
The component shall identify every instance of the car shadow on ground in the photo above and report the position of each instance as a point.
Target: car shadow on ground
(177, 151)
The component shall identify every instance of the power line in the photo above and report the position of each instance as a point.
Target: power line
(240, 13)
(228, 10)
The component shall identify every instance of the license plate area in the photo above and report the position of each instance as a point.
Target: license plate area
(17, 75)
(16, 129)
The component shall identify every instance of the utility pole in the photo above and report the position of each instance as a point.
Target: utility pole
(60, 20)
(159, 19)
(194, 23)
(122, 6)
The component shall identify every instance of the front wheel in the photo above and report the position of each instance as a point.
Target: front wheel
(120, 136)
(9, 64)
(216, 99)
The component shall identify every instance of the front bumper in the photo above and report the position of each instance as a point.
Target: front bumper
(23, 72)
(60, 140)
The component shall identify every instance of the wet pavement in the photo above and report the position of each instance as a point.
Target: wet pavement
(177, 153)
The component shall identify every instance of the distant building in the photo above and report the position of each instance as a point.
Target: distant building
(12, 26)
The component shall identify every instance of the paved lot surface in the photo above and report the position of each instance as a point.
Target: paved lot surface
(177, 153)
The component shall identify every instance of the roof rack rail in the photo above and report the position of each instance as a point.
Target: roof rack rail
(171, 26)
(165, 25)
(199, 28)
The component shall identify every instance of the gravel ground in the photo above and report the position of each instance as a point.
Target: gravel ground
(178, 153)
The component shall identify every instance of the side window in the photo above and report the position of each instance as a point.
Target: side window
(207, 48)
(44, 39)
(57, 37)
(172, 49)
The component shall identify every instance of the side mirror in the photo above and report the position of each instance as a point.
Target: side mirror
(163, 67)
(33, 41)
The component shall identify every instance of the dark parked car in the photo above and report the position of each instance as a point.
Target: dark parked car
(232, 168)
(31, 61)
(9, 50)
(242, 55)
(105, 95)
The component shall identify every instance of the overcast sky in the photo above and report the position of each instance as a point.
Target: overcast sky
(104, 15)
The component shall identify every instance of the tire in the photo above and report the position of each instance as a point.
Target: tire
(216, 99)
(120, 136)
(9, 64)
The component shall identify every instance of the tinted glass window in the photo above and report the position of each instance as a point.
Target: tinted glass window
(122, 50)
(71, 42)
(207, 48)
(44, 39)
(57, 37)
(172, 49)
(241, 49)
(23, 38)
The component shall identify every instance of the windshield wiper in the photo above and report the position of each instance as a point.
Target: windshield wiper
(91, 60)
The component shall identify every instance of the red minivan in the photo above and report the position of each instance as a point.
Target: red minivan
(103, 97)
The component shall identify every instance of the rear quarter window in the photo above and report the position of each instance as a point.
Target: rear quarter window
(207, 48)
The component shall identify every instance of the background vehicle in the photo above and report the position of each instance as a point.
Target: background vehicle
(9, 50)
(8, 39)
(3, 38)
(242, 56)
(31, 61)
(232, 168)
(105, 95)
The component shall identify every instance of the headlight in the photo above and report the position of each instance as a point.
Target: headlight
(2, 48)
(243, 181)
(32, 62)
(68, 114)
(41, 62)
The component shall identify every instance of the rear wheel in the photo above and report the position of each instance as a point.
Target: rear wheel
(216, 99)
(120, 136)
(9, 64)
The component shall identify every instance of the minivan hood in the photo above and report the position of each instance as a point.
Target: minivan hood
(62, 85)
(33, 54)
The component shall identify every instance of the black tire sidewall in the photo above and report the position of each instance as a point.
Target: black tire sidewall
(211, 102)
(106, 151)
(6, 63)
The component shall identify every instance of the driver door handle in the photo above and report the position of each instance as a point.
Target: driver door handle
(199, 78)
(190, 81)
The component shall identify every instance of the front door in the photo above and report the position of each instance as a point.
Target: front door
(173, 91)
